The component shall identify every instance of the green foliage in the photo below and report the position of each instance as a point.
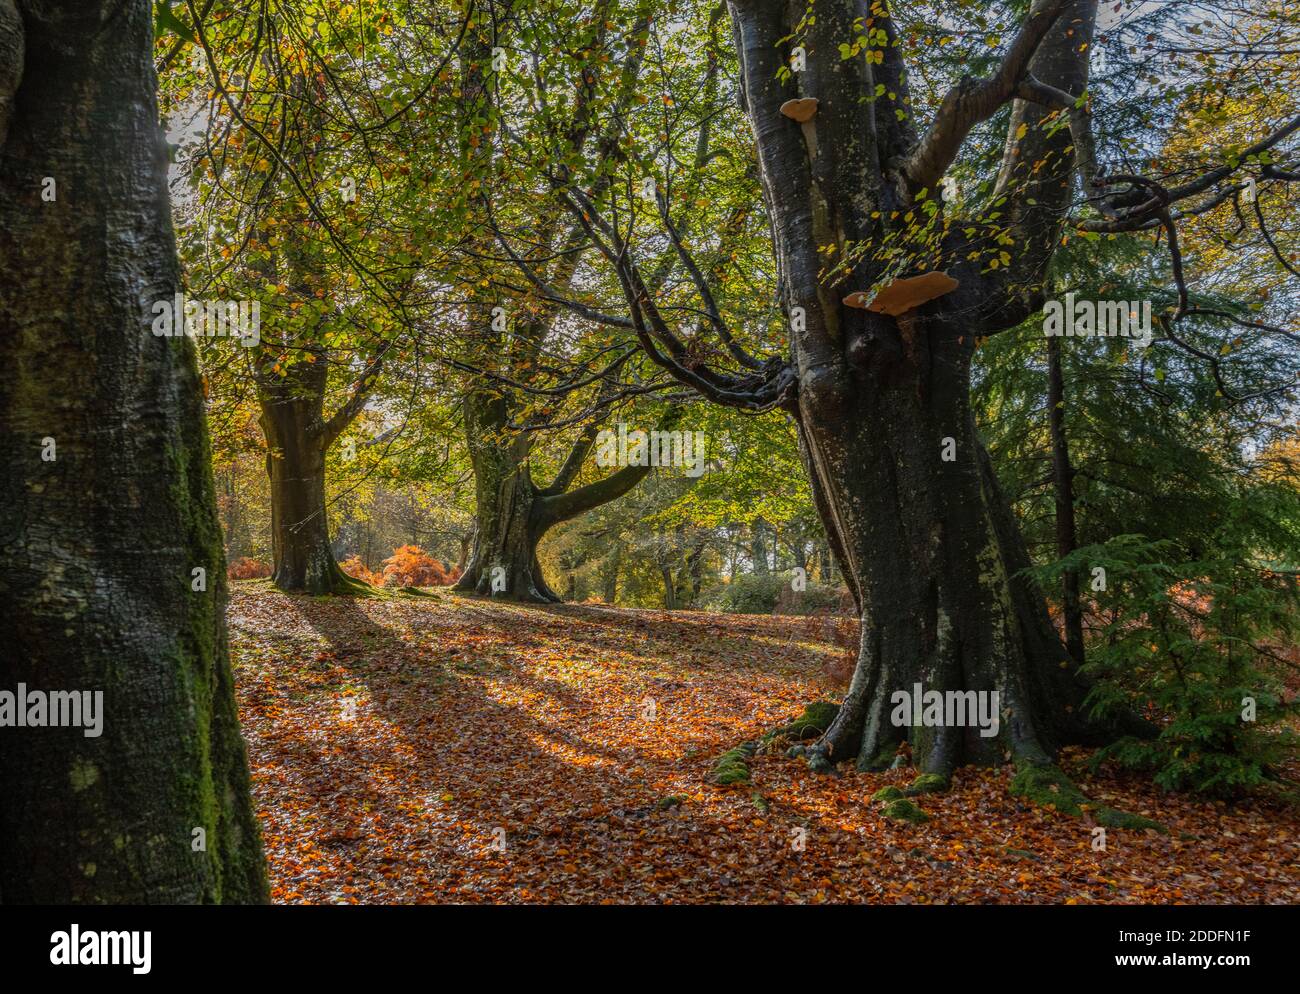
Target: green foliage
(1198, 645)
(750, 594)
(1189, 502)
(770, 593)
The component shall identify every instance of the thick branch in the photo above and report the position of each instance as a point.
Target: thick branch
(344, 416)
(561, 507)
(573, 462)
(973, 101)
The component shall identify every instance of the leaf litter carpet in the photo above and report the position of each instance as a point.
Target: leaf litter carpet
(454, 750)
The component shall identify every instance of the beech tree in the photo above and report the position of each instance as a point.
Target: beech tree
(886, 290)
(512, 397)
(112, 576)
(318, 229)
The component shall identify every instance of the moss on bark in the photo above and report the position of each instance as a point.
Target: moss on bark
(928, 783)
(816, 718)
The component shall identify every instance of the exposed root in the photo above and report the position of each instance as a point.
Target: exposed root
(928, 783)
(342, 585)
(414, 592)
(733, 765)
(335, 583)
(887, 757)
(817, 717)
(528, 588)
(818, 761)
(1047, 786)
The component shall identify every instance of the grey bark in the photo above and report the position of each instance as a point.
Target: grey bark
(98, 545)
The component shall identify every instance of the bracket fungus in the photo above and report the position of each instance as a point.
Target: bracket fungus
(801, 110)
(903, 295)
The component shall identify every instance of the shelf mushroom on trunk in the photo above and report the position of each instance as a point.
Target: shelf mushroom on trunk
(801, 109)
(904, 295)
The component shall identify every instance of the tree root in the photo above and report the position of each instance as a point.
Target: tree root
(335, 583)
(1047, 786)
(414, 592)
(816, 718)
(928, 783)
(733, 765)
(343, 585)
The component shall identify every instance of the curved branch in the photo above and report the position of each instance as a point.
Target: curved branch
(972, 101)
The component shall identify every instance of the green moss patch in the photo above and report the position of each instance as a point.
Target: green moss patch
(814, 721)
(415, 592)
(905, 811)
(1048, 787)
(927, 783)
(733, 765)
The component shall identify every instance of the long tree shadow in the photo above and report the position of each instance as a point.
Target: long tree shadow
(445, 789)
(796, 640)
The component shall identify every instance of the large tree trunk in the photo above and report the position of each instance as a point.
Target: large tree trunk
(924, 537)
(303, 559)
(512, 512)
(933, 551)
(99, 543)
(504, 562)
(295, 463)
(291, 420)
(507, 508)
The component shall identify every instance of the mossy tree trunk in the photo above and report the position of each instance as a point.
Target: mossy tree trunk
(99, 539)
(293, 377)
(934, 554)
(912, 511)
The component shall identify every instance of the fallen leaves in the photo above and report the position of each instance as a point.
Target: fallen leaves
(450, 750)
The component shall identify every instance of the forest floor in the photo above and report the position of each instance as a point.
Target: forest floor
(453, 750)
